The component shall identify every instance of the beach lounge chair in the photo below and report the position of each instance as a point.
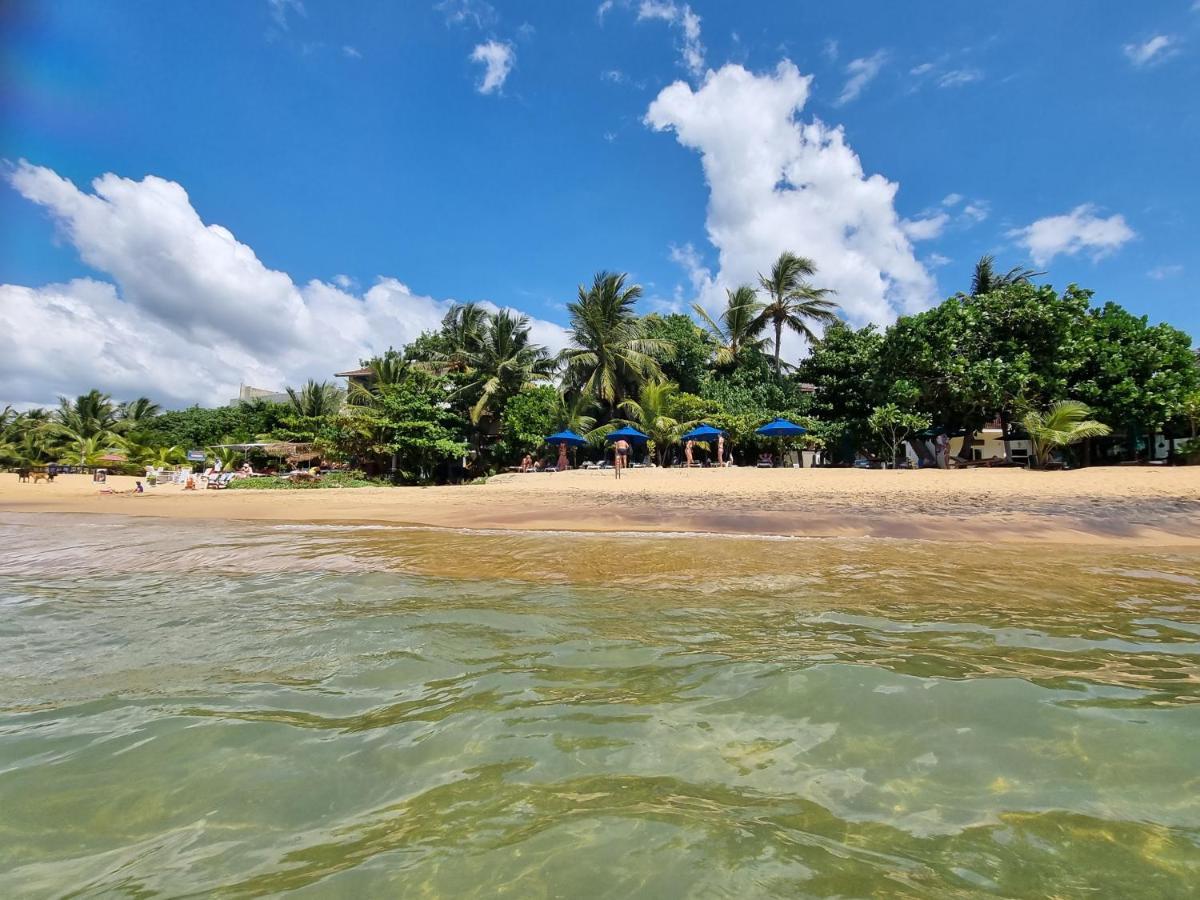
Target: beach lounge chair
(221, 481)
(765, 461)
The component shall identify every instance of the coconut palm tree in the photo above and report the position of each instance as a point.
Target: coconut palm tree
(500, 361)
(388, 369)
(463, 327)
(611, 353)
(739, 325)
(573, 411)
(136, 414)
(88, 415)
(653, 413)
(793, 301)
(986, 279)
(1063, 424)
(315, 400)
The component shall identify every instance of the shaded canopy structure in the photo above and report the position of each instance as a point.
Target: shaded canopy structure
(568, 437)
(292, 452)
(703, 432)
(628, 433)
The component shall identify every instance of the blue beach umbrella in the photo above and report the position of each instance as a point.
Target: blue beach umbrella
(703, 433)
(781, 428)
(568, 437)
(628, 433)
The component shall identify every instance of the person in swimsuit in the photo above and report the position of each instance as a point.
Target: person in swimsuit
(687, 452)
(620, 455)
(720, 450)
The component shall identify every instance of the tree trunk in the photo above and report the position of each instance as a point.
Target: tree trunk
(778, 339)
(964, 452)
(1004, 434)
(922, 450)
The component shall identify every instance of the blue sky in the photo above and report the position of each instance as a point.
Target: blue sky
(505, 152)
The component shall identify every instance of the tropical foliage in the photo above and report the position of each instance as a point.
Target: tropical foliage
(476, 394)
(1063, 424)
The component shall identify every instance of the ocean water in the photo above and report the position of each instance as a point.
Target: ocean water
(242, 710)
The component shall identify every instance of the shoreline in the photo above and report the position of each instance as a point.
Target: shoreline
(1154, 506)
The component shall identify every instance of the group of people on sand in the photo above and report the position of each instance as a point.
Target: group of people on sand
(621, 455)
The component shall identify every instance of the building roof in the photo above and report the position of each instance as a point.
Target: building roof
(354, 373)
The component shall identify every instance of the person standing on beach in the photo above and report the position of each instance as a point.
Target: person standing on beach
(620, 455)
(720, 450)
(563, 465)
(687, 452)
(943, 451)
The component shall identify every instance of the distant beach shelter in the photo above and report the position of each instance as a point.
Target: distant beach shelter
(562, 440)
(780, 428)
(568, 437)
(704, 433)
(628, 433)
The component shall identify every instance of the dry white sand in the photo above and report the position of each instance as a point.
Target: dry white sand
(1152, 504)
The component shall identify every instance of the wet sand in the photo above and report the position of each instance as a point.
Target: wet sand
(1148, 505)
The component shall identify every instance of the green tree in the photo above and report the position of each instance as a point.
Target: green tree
(655, 414)
(499, 361)
(738, 326)
(1133, 374)
(894, 425)
(688, 349)
(1063, 424)
(410, 430)
(610, 356)
(843, 367)
(793, 301)
(986, 279)
(529, 417)
(135, 415)
(315, 400)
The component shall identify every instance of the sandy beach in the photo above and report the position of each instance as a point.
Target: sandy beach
(1154, 505)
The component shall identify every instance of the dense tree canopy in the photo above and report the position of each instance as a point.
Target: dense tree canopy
(478, 393)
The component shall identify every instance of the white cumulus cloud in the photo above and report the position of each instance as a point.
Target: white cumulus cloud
(861, 72)
(777, 183)
(497, 59)
(927, 228)
(1152, 51)
(190, 312)
(682, 17)
(1080, 229)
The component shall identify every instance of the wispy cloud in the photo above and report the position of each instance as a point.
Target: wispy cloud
(468, 13)
(497, 59)
(1079, 230)
(830, 49)
(603, 9)
(352, 52)
(681, 17)
(1151, 52)
(280, 9)
(958, 77)
(862, 72)
(1160, 273)
(925, 229)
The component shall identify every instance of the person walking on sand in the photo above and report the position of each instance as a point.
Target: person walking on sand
(943, 451)
(687, 452)
(620, 455)
(563, 464)
(721, 450)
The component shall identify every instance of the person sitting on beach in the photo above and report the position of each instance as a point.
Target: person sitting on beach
(190, 484)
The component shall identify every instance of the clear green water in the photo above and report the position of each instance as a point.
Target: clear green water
(241, 711)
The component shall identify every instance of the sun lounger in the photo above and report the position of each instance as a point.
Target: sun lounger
(221, 481)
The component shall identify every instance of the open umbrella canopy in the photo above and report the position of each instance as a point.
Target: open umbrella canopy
(781, 428)
(702, 433)
(628, 433)
(568, 437)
